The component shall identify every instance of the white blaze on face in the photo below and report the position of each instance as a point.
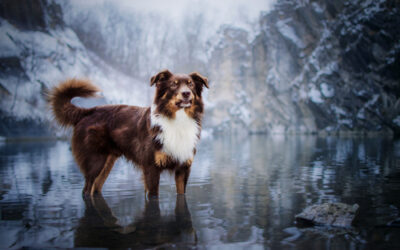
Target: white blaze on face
(182, 90)
(178, 136)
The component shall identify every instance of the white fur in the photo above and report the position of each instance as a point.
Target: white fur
(178, 135)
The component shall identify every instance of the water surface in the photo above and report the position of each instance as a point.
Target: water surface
(243, 192)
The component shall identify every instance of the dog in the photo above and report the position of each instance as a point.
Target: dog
(157, 138)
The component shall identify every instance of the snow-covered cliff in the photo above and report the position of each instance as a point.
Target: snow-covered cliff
(37, 51)
(314, 66)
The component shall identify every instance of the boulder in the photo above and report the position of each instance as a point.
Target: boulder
(329, 214)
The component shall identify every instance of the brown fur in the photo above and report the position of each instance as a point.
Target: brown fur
(102, 134)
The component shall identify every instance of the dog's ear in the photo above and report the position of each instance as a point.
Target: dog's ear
(197, 78)
(160, 76)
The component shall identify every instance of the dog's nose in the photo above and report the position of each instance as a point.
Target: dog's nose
(186, 94)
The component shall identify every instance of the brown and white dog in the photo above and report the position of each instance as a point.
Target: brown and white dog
(157, 138)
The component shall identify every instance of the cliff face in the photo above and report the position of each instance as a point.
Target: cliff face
(32, 15)
(317, 66)
(37, 51)
(21, 102)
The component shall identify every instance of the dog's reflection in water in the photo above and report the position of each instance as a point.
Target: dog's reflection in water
(100, 228)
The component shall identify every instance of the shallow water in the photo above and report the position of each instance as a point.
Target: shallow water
(243, 192)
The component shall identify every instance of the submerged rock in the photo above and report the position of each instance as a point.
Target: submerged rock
(329, 214)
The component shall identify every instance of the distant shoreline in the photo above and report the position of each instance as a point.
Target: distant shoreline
(31, 139)
(340, 134)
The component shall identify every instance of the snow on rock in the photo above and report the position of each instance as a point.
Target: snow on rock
(289, 33)
(327, 90)
(314, 66)
(36, 60)
(315, 95)
(7, 46)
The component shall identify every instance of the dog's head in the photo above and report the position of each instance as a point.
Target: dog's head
(177, 91)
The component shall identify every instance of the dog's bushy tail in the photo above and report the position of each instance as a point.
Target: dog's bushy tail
(60, 97)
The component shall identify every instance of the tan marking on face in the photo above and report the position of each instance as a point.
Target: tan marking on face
(161, 159)
(171, 106)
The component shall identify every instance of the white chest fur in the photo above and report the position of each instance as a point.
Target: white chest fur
(178, 135)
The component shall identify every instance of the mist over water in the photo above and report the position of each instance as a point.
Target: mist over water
(140, 38)
(242, 192)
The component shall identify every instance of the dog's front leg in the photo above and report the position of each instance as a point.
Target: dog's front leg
(151, 176)
(181, 178)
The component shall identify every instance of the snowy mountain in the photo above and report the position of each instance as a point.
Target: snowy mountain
(303, 67)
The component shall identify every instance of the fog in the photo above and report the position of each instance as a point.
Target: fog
(216, 13)
(142, 37)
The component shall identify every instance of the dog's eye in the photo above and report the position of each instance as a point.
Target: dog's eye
(174, 84)
(190, 84)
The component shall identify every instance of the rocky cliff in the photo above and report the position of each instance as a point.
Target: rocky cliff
(37, 51)
(315, 66)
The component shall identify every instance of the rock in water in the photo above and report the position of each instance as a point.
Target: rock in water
(329, 214)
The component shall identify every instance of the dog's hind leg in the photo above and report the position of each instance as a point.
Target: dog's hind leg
(101, 178)
(92, 166)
